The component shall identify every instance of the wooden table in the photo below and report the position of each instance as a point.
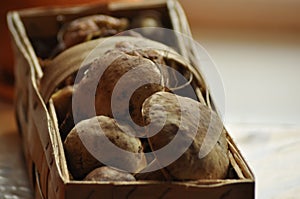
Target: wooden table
(14, 182)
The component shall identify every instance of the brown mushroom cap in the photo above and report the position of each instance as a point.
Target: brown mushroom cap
(87, 133)
(108, 174)
(62, 101)
(130, 75)
(178, 115)
(86, 28)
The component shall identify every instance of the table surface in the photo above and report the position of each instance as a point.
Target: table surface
(14, 181)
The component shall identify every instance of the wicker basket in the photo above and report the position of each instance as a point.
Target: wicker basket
(37, 120)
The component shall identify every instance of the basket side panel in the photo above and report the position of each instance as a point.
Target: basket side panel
(227, 190)
(50, 180)
(22, 81)
(91, 191)
(31, 114)
(56, 187)
(152, 190)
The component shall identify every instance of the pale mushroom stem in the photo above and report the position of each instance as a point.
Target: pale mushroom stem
(163, 170)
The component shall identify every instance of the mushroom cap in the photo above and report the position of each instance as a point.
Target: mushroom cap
(86, 147)
(191, 126)
(108, 174)
(86, 28)
(119, 82)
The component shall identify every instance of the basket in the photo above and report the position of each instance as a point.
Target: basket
(37, 120)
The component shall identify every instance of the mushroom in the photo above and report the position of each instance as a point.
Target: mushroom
(108, 174)
(194, 133)
(100, 140)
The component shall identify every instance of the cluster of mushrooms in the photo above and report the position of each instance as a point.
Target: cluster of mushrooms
(141, 123)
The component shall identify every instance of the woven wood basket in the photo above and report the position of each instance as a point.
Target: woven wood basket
(37, 120)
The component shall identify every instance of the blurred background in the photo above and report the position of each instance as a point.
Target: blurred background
(256, 47)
